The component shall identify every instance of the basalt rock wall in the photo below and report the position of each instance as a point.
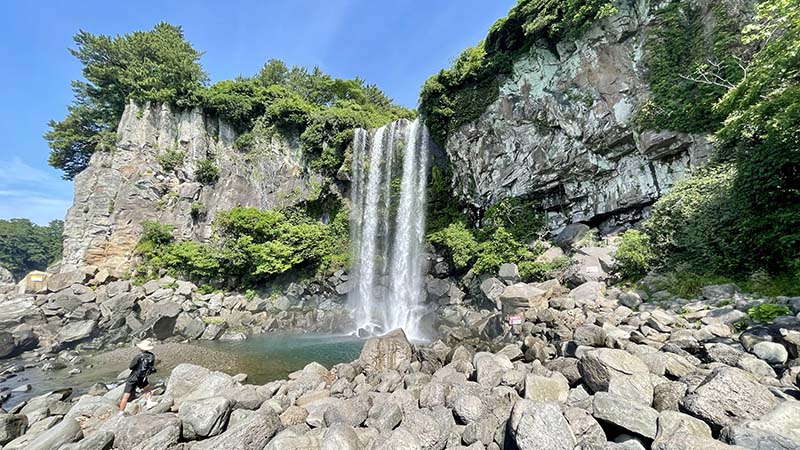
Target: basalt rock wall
(562, 130)
(123, 188)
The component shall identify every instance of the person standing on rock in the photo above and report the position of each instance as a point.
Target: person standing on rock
(141, 366)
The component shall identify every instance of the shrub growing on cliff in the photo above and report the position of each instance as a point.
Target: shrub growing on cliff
(459, 242)
(170, 159)
(249, 246)
(156, 65)
(442, 208)
(206, 171)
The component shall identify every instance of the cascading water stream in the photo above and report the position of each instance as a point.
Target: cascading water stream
(387, 227)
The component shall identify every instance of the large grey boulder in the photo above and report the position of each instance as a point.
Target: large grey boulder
(430, 427)
(204, 418)
(254, 433)
(8, 346)
(508, 272)
(384, 416)
(101, 440)
(588, 292)
(587, 430)
(535, 426)
(523, 296)
(678, 431)
(12, 426)
(571, 234)
(489, 368)
(468, 408)
(340, 437)
(67, 431)
(130, 431)
(352, 412)
(212, 385)
(554, 388)
(777, 430)
(60, 281)
(183, 379)
(189, 327)
(75, 332)
(624, 413)
(771, 352)
(164, 439)
(388, 352)
(729, 396)
(617, 371)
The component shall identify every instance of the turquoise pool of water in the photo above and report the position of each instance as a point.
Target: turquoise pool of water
(263, 358)
(271, 357)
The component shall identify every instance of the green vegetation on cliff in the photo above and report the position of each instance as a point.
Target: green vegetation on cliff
(159, 65)
(741, 215)
(25, 246)
(460, 94)
(509, 234)
(690, 42)
(249, 246)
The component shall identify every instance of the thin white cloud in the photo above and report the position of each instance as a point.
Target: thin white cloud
(33, 193)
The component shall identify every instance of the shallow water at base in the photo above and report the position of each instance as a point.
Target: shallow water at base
(263, 358)
(269, 357)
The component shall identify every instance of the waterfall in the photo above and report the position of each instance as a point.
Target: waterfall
(389, 174)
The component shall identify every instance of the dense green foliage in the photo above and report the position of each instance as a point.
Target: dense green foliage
(159, 65)
(156, 65)
(249, 246)
(206, 171)
(680, 50)
(695, 223)
(442, 208)
(741, 215)
(508, 234)
(767, 312)
(25, 246)
(171, 159)
(459, 95)
(460, 243)
(634, 254)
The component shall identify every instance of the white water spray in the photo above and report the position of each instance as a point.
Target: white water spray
(387, 227)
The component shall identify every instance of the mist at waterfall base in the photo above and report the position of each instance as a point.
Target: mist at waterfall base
(389, 174)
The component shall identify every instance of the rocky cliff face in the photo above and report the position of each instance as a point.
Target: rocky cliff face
(562, 130)
(123, 188)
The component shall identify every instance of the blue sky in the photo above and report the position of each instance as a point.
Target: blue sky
(395, 44)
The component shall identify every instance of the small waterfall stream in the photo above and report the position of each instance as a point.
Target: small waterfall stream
(389, 175)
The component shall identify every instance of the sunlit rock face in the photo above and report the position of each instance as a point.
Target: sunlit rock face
(127, 186)
(562, 130)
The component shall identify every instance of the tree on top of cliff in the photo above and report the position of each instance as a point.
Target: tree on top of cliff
(155, 65)
(159, 65)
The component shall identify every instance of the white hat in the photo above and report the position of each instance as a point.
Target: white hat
(146, 345)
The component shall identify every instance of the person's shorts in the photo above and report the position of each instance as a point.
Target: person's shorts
(132, 385)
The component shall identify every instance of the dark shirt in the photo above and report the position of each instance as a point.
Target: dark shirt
(134, 366)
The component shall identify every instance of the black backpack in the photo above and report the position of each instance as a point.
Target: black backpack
(147, 363)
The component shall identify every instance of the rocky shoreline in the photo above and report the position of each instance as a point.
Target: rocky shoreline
(589, 368)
